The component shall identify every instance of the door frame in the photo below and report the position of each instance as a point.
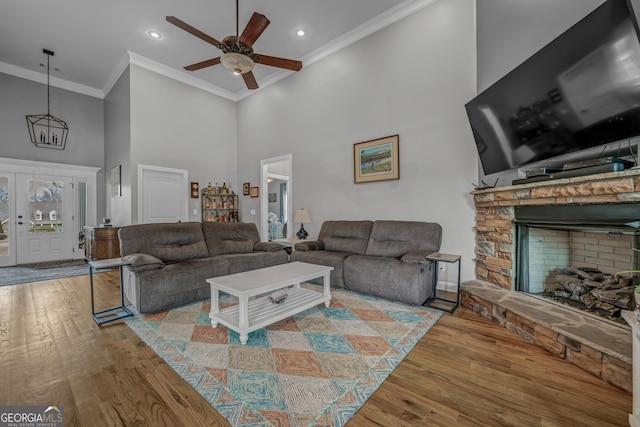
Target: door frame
(66, 238)
(264, 190)
(88, 174)
(184, 202)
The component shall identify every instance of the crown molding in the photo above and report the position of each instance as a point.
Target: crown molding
(379, 22)
(174, 74)
(53, 81)
(116, 73)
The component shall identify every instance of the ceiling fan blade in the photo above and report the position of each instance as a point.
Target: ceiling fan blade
(257, 24)
(250, 80)
(274, 61)
(189, 29)
(203, 64)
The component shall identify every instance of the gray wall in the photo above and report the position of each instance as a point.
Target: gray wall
(84, 116)
(177, 126)
(117, 135)
(509, 32)
(412, 79)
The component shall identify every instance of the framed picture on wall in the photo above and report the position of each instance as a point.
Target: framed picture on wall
(255, 192)
(245, 188)
(273, 198)
(114, 181)
(376, 160)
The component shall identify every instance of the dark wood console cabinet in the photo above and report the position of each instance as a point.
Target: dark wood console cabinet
(101, 243)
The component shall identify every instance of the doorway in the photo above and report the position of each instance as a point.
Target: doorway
(163, 194)
(279, 170)
(42, 211)
(44, 218)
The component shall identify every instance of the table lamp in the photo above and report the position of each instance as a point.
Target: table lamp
(302, 216)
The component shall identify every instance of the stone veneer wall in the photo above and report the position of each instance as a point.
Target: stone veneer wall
(495, 252)
(494, 213)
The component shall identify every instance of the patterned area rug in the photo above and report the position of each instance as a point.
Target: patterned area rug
(315, 368)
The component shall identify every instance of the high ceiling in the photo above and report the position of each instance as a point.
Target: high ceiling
(94, 40)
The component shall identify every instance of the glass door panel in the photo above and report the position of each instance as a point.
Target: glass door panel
(6, 251)
(44, 218)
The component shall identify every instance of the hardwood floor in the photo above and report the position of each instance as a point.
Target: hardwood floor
(466, 371)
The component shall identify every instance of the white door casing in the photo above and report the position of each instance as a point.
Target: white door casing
(12, 167)
(7, 217)
(287, 171)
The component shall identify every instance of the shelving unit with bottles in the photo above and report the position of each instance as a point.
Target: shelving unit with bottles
(219, 204)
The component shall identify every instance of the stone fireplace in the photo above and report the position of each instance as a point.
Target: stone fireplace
(571, 253)
(569, 223)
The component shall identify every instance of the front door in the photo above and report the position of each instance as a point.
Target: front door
(44, 218)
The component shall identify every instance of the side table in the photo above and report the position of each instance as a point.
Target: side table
(115, 313)
(290, 243)
(438, 302)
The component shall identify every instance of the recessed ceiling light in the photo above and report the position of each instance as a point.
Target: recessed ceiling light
(300, 33)
(154, 34)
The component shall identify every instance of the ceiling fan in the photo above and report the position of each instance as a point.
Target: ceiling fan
(237, 51)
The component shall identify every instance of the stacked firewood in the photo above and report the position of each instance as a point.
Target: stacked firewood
(602, 292)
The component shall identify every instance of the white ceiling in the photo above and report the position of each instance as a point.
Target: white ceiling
(94, 40)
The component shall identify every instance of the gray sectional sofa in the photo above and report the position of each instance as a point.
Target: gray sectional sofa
(381, 258)
(170, 262)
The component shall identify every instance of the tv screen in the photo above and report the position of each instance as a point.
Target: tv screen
(580, 91)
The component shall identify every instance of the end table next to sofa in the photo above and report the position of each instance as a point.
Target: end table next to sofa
(115, 313)
(438, 302)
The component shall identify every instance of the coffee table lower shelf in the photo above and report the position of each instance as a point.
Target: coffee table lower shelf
(262, 312)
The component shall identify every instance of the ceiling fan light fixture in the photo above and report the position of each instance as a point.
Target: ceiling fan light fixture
(237, 63)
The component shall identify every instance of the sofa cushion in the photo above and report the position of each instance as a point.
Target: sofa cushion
(178, 283)
(268, 247)
(345, 236)
(230, 237)
(390, 278)
(142, 262)
(169, 242)
(396, 238)
(254, 260)
(328, 258)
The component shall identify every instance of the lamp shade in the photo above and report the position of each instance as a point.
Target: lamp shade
(237, 62)
(302, 216)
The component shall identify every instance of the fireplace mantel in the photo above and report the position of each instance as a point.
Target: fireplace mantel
(495, 213)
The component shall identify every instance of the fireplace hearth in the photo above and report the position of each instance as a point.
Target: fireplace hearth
(591, 224)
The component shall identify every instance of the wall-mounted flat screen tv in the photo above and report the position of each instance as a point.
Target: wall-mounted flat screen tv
(580, 91)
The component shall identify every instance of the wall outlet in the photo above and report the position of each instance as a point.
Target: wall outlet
(195, 211)
(253, 211)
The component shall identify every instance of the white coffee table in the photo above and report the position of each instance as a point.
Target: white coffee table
(250, 315)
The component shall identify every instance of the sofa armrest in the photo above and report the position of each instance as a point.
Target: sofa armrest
(267, 247)
(142, 262)
(311, 245)
(416, 256)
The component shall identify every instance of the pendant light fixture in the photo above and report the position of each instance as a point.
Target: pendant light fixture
(46, 130)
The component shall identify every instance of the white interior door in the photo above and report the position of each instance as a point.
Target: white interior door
(44, 223)
(163, 194)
